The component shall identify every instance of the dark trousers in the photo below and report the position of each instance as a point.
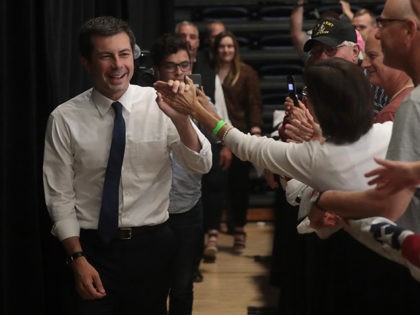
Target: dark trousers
(214, 185)
(188, 230)
(135, 273)
(238, 189)
(287, 261)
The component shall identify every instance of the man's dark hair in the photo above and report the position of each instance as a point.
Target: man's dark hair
(165, 45)
(102, 26)
(342, 99)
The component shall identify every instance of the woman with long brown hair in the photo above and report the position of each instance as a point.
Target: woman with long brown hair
(241, 89)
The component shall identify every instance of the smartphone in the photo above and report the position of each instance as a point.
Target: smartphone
(291, 88)
(196, 78)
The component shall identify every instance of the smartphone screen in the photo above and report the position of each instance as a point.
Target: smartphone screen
(292, 89)
(196, 78)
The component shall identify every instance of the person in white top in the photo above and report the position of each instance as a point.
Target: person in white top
(341, 100)
(130, 273)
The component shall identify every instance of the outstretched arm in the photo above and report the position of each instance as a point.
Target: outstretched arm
(345, 7)
(367, 203)
(394, 176)
(297, 33)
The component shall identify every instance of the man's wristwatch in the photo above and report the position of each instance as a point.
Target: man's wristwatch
(73, 257)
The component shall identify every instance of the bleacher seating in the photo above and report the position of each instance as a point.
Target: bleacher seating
(275, 12)
(225, 13)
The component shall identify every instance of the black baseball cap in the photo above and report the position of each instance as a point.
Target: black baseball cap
(331, 32)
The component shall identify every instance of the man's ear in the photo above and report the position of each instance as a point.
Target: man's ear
(85, 64)
(356, 51)
(411, 27)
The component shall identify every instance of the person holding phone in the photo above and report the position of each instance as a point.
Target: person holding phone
(172, 61)
(214, 182)
(340, 161)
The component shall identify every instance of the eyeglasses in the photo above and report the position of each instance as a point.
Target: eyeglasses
(172, 66)
(330, 51)
(382, 22)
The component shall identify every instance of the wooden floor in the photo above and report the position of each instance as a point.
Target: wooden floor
(236, 282)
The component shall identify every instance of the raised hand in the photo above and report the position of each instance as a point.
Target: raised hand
(176, 95)
(302, 126)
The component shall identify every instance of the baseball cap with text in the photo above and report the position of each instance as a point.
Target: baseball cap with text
(331, 32)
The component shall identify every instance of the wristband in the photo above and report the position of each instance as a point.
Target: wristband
(219, 126)
(73, 257)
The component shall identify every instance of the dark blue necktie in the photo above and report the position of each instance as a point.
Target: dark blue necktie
(108, 219)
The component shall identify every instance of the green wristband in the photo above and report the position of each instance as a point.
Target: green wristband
(219, 126)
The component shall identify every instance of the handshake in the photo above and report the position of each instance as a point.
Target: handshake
(178, 95)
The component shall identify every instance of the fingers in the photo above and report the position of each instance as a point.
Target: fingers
(172, 86)
(87, 280)
(98, 285)
(225, 158)
(188, 80)
(159, 98)
(177, 86)
(299, 131)
(374, 172)
(384, 162)
(88, 291)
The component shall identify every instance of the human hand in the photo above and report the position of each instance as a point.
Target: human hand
(270, 179)
(323, 219)
(297, 112)
(297, 131)
(87, 280)
(176, 96)
(300, 127)
(394, 176)
(225, 158)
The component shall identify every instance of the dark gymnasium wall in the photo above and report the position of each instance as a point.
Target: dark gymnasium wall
(40, 69)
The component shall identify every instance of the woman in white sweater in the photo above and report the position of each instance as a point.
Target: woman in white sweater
(341, 101)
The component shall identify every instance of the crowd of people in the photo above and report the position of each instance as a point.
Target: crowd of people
(136, 178)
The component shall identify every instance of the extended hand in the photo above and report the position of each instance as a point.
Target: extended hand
(394, 176)
(225, 158)
(176, 95)
(323, 219)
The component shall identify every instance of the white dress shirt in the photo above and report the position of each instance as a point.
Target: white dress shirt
(77, 143)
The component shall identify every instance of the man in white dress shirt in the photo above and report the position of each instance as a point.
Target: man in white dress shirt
(130, 273)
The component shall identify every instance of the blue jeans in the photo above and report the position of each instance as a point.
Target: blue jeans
(187, 228)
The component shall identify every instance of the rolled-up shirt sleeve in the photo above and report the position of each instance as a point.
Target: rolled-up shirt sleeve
(58, 177)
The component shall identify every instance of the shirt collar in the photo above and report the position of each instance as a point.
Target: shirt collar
(103, 103)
